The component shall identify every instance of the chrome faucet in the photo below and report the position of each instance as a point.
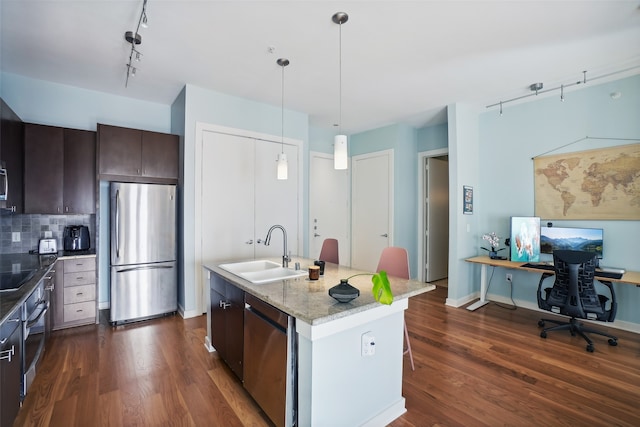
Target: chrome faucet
(267, 240)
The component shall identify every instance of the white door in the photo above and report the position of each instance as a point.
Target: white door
(372, 204)
(276, 201)
(241, 198)
(329, 210)
(437, 219)
(227, 197)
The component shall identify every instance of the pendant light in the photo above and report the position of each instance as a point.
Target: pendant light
(283, 166)
(340, 155)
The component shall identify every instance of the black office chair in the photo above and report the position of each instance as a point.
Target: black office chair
(574, 294)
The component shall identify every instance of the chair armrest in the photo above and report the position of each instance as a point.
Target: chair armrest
(542, 303)
(614, 302)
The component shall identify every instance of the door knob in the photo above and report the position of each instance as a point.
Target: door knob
(316, 235)
(249, 242)
(384, 235)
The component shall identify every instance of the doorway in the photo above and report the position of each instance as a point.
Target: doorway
(329, 206)
(433, 224)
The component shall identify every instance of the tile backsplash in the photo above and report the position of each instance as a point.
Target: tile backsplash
(32, 228)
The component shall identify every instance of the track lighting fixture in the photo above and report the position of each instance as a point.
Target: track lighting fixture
(282, 171)
(135, 39)
(340, 152)
(537, 87)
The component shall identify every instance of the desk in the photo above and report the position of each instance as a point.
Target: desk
(630, 277)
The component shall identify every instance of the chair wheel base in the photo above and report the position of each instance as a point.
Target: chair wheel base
(543, 334)
(590, 348)
(613, 342)
(541, 323)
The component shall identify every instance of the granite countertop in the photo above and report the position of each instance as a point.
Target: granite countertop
(309, 300)
(40, 264)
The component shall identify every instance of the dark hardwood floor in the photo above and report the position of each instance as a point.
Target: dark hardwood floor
(488, 367)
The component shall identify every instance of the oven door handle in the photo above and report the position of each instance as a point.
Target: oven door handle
(31, 323)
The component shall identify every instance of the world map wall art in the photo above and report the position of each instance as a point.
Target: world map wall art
(602, 184)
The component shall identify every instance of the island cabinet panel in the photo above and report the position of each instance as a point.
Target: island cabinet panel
(227, 322)
(59, 170)
(136, 155)
(74, 296)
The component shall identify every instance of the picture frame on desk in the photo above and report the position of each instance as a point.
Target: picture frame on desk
(467, 200)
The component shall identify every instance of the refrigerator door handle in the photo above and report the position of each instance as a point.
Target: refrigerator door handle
(144, 267)
(118, 224)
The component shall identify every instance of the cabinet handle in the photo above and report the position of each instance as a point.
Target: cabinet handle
(224, 305)
(7, 354)
(66, 208)
(79, 311)
(17, 319)
(79, 277)
(79, 293)
(51, 287)
(58, 208)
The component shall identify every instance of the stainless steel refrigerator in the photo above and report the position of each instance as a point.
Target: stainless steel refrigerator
(143, 251)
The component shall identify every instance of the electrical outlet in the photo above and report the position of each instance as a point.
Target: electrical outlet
(509, 278)
(368, 344)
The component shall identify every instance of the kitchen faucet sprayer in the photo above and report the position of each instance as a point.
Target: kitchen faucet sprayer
(267, 240)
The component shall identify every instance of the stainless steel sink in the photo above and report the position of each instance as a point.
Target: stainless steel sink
(261, 271)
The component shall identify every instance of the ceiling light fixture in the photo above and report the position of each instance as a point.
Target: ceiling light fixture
(340, 152)
(135, 39)
(537, 87)
(282, 157)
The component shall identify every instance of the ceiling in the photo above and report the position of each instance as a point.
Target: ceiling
(402, 61)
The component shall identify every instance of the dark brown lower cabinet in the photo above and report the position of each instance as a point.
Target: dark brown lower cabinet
(227, 322)
(10, 370)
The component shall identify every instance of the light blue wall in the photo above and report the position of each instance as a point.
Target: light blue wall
(507, 144)
(463, 231)
(39, 101)
(433, 137)
(203, 105)
(321, 140)
(403, 140)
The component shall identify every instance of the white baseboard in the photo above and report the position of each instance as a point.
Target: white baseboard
(616, 324)
(462, 301)
(388, 415)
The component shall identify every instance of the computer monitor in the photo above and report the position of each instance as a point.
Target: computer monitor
(572, 238)
(525, 238)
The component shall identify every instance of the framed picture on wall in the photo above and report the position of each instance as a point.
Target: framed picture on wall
(467, 200)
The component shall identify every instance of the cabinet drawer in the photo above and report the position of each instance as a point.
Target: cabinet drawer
(77, 294)
(79, 278)
(79, 264)
(81, 310)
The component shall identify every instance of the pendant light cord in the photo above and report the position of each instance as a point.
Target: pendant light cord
(282, 115)
(340, 84)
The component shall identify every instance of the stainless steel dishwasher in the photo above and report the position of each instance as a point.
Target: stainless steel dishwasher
(270, 368)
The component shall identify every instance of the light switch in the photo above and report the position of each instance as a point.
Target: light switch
(15, 236)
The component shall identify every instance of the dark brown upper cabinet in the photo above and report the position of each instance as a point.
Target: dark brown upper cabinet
(136, 155)
(79, 192)
(59, 170)
(12, 154)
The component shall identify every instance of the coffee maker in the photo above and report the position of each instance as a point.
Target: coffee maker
(76, 238)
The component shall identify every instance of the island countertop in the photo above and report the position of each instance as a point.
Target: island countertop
(309, 300)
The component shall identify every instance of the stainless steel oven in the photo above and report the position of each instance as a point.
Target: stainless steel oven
(36, 326)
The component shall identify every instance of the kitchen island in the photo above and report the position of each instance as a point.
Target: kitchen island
(336, 383)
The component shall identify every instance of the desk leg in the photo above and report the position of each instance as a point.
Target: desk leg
(483, 290)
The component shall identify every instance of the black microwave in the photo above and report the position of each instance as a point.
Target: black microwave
(4, 184)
